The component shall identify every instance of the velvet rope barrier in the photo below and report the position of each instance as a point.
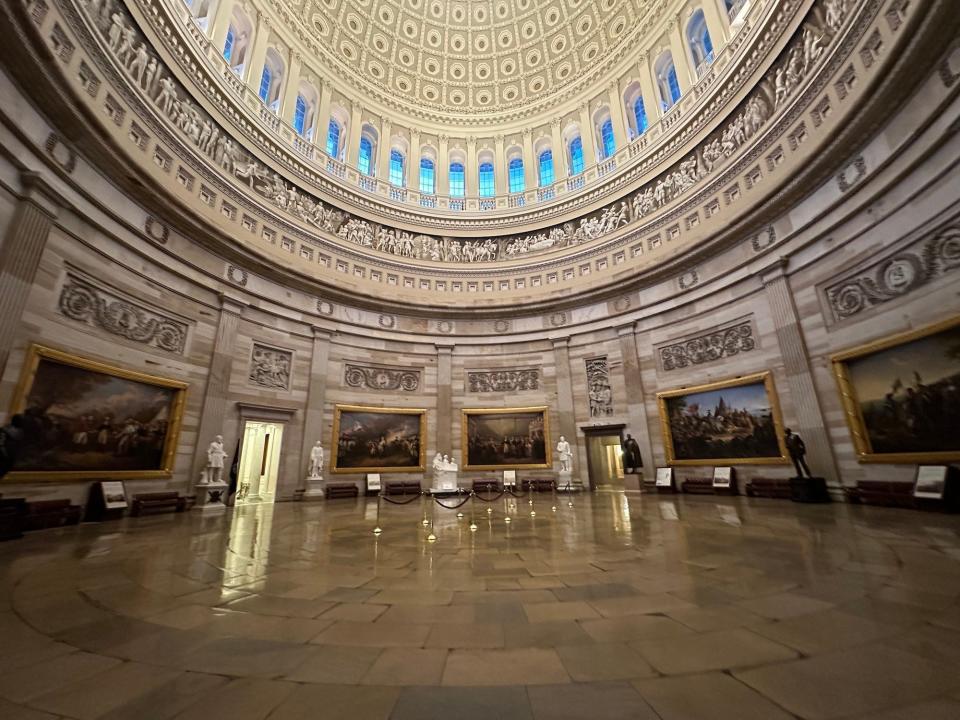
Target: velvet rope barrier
(453, 507)
(490, 500)
(401, 502)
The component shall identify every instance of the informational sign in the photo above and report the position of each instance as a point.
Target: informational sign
(665, 477)
(722, 477)
(114, 495)
(509, 478)
(931, 482)
(373, 482)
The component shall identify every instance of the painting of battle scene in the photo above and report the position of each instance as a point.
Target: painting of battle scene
(902, 395)
(83, 418)
(371, 439)
(732, 421)
(505, 438)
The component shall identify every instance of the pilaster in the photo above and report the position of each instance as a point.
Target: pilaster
(221, 24)
(316, 398)
(291, 88)
(617, 116)
(810, 423)
(20, 255)
(561, 166)
(445, 401)
(383, 166)
(633, 379)
(587, 136)
(566, 415)
(253, 65)
(678, 49)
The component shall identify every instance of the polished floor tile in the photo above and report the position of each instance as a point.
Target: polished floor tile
(604, 610)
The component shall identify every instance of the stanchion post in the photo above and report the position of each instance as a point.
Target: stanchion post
(377, 529)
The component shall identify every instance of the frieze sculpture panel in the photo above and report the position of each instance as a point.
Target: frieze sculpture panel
(152, 78)
(84, 302)
(713, 345)
(487, 381)
(598, 387)
(381, 378)
(894, 276)
(270, 367)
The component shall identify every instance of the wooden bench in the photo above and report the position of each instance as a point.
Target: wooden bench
(341, 490)
(882, 492)
(538, 484)
(697, 486)
(486, 486)
(157, 502)
(403, 487)
(12, 514)
(44, 514)
(778, 488)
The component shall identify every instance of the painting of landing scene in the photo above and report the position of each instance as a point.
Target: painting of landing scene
(84, 419)
(902, 395)
(372, 439)
(733, 422)
(505, 438)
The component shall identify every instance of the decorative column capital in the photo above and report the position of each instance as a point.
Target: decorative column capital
(231, 305)
(321, 333)
(775, 271)
(37, 191)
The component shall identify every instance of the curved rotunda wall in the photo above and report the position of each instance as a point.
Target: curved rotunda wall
(784, 300)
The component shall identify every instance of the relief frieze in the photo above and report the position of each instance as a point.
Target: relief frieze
(489, 381)
(378, 377)
(709, 346)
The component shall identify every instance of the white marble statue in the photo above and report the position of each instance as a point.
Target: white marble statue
(444, 473)
(215, 459)
(566, 456)
(316, 461)
(437, 462)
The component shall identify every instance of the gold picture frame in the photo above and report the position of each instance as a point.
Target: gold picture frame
(540, 461)
(341, 454)
(35, 362)
(842, 363)
(764, 379)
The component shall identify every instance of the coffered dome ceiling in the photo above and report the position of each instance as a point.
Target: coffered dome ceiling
(476, 56)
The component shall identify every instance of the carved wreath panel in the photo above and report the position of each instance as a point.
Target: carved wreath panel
(713, 345)
(381, 378)
(598, 387)
(895, 276)
(92, 305)
(270, 367)
(487, 381)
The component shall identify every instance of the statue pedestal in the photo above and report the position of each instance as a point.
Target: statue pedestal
(566, 482)
(444, 481)
(210, 496)
(314, 489)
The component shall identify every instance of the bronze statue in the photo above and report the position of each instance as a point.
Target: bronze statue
(631, 455)
(797, 450)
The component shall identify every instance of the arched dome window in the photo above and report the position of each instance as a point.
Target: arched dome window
(334, 131)
(667, 82)
(640, 115)
(228, 44)
(608, 143)
(576, 156)
(367, 150)
(545, 167)
(300, 114)
(698, 40)
(515, 175)
(271, 80)
(235, 44)
(397, 162)
(428, 180)
(487, 181)
(457, 179)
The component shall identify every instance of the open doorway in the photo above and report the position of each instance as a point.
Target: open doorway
(259, 462)
(605, 457)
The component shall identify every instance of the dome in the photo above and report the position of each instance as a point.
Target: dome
(481, 59)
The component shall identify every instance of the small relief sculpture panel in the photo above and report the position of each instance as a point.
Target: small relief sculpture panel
(270, 367)
(709, 346)
(598, 387)
(85, 302)
(484, 381)
(381, 378)
(894, 276)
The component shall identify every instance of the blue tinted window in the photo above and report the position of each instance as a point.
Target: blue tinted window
(365, 155)
(607, 140)
(576, 156)
(707, 43)
(265, 79)
(515, 173)
(546, 168)
(427, 177)
(457, 179)
(333, 138)
(674, 85)
(640, 114)
(300, 114)
(487, 184)
(228, 46)
(396, 168)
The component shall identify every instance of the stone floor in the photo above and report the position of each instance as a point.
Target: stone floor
(619, 607)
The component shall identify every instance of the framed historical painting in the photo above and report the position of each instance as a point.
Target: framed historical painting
(84, 419)
(902, 395)
(505, 438)
(377, 440)
(731, 422)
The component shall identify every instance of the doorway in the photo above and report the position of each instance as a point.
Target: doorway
(604, 456)
(259, 462)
